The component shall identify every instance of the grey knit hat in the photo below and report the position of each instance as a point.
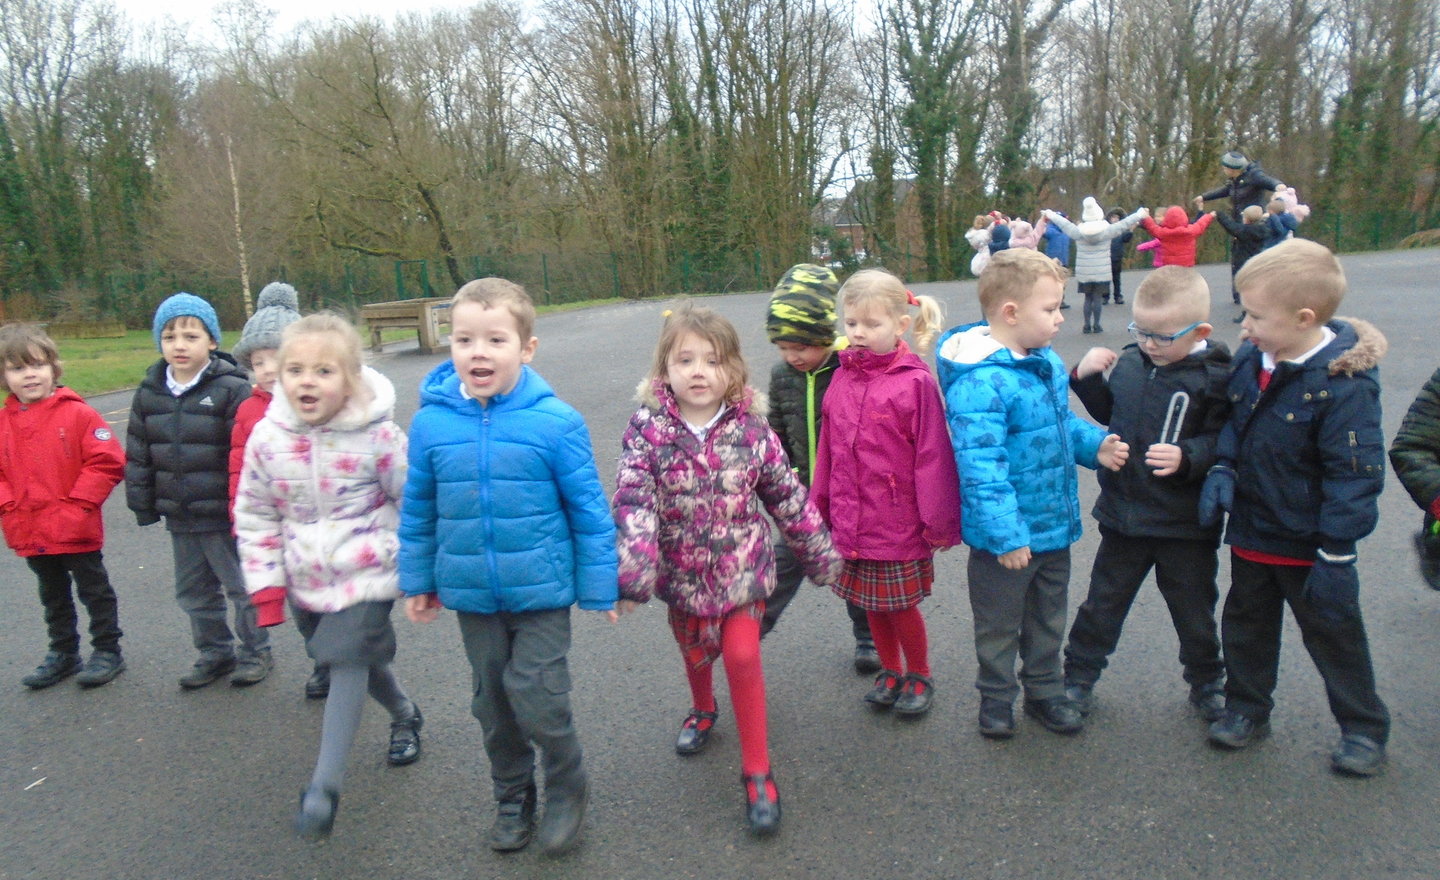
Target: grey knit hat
(277, 308)
(1234, 159)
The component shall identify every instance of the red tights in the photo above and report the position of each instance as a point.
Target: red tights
(897, 632)
(740, 651)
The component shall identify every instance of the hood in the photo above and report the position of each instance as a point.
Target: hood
(999, 237)
(1364, 353)
(962, 348)
(1090, 210)
(1175, 216)
(654, 394)
(61, 393)
(442, 386)
(1021, 229)
(360, 410)
(1093, 227)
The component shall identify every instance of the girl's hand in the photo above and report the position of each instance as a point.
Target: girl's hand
(423, 608)
(622, 608)
(1114, 452)
(1015, 559)
(1164, 458)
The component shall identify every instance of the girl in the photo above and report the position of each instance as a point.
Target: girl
(316, 519)
(885, 478)
(699, 470)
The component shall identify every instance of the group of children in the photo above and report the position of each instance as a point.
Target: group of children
(493, 507)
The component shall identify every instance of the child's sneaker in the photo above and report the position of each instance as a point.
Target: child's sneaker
(1209, 698)
(55, 668)
(1427, 545)
(102, 669)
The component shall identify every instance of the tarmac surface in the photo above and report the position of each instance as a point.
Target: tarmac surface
(140, 779)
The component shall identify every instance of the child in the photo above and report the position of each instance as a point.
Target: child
(1300, 465)
(1177, 235)
(1157, 259)
(884, 481)
(1023, 235)
(699, 463)
(1057, 243)
(316, 517)
(505, 522)
(277, 307)
(1250, 235)
(1092, 254)
(1117, 254)
(1284, 216)
(1415, 455)
(178, 451)
(1016, 445)
(59, 461)
(1166, 395)
(979, 238)
(801, 324)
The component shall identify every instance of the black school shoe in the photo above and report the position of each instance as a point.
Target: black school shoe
(1056, 714)
(514, 823)
(887, 689)
(1235, 731)
(997, 718)
(1358, 756)
(317, 686)
(405, 739)
(207, 670)
(1209, 698)
(55, 668)
(101, 669)
(867, 659)
(560, 827)
(916, 695)
(762, 815)
(695, 732)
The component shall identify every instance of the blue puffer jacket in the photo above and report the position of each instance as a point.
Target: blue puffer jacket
(1016, 443)
(503, 508)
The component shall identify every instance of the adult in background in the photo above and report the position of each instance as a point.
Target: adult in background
(1246, 184)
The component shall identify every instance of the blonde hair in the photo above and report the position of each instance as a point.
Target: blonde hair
(1011, 275)
(713, 328)
(876, 286)
(494, 293)
(28, 345)
(1178, 287)
(982, 221)
(1298, 274)
(1252, 213)
(340, 340)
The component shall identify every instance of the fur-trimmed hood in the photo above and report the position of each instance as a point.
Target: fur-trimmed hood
(1370, 346)
(656, 395)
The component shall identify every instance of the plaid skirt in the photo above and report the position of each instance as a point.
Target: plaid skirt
(699, 637)
(885, 584)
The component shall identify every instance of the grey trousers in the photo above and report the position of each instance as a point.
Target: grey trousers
(521, 682)
(1019, 613)
(207, 572)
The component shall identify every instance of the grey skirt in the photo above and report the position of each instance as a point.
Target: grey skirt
(360, 635)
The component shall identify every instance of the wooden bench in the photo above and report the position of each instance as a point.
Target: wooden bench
(425, 315)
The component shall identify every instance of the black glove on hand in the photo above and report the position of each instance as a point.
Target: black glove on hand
(1217, 494)
(1333, 587)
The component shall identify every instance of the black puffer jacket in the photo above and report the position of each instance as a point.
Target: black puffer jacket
(795, 409)
(1252, 186)
(177, 449)
(1249, 239)
(1415, 452)
(1137, 402)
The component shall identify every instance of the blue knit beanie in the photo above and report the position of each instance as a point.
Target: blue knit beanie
(186, 305)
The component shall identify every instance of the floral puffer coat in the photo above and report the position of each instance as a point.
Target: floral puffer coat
(318, 506)
(691, 512)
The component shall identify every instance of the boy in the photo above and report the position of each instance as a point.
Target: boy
(1117, 254)
(801, 324)
(277, 307)
(178, 451)
(1300, 465)
(1250, 234)
(504, 521)
(59, 461)
(1166, 396)
(1016, 447)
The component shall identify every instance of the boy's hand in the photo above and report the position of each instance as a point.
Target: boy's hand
(622, 608)
(1217, 494)
(1164, 458)
(1144, 212)
(1114, 452)
(1015, 559)
(1096, 360)
(1332, 587)
(423, 608)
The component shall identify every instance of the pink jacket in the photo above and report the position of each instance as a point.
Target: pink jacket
(1022, 234)
(885, 476)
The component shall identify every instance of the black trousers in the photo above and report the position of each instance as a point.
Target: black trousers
(1250, 632)
(1184, 572)
(92, 585)
(789, 574)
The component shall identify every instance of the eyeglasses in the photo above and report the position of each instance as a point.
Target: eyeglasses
(1159, 340)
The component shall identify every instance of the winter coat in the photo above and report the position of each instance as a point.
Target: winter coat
(1022, 234)
(503, 507)
(1092, 240)
(999, 238)
(1117, 248)
(1251, 187)
(1057, 244)
(251, 411)
(1249, 239)
(177, 449)
(690, 511)
(317, 507)
(795, 410)
(1183, 404)
(979, 239)
(1415, 451)
(1015, 441)
(1308, 453)
(59, 461)
(1177, 236)
(1279, 227)
(884, 480)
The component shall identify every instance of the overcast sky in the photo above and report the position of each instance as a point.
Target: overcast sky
(200, 12)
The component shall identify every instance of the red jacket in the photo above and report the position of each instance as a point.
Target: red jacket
(251, 411)
(59, 460)
(1177, 238)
